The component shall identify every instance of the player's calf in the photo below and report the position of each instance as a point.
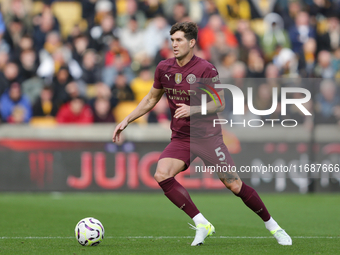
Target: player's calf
(231, 180)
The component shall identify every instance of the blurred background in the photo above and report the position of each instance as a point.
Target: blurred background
(69, 70)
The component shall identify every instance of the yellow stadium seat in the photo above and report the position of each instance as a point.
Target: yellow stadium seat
(37, 7)
(121, 7)
(125, 108)
(43, 121)
(68, 15)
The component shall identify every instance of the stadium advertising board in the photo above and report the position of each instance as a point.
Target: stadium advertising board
(33, 165)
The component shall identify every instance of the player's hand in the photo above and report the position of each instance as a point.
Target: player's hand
(119, 128)
(182, 111)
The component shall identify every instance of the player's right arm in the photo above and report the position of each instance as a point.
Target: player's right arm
(147, 103)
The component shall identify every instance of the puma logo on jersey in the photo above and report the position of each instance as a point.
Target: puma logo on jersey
(167, 76)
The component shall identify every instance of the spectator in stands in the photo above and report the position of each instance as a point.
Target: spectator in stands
(274, 35)
(272, 77)
(132, 38)
(336, 63)
(142, 84)
(289, 14)
(4, 58)
(323, 68)
(60, 57)
(93, 10)
(17, 9)
(14, 106)
(121, 90)
(209, 8)
(43, 24)
(11, 73)
(117, 60)
(308, 59)
(287, 63)
(226, 64)
(263, 100)
(179, 13)
(151, 8)
(52, 43)
(207, 35)
(103, 91)
(101, 35)
(301, 32)
(75, 112)
(117, 51)
(160, 113)
(238, 73)
(155, 34)
(26, 43)
(165, 52)
(75, 89)
(79, 44)
(218, 49)
(248, 42)
(60, 80)
(102, 111)
(15, 31)
(90, 67)
(255, 64)
(330, 40)
(241, 27)
(272, 72)
(3, 81)
(44, 105)
(327, 103)
(131, 10)
(28, 64)
(321, 7)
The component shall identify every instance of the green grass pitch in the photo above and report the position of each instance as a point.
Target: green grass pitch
(149, 224)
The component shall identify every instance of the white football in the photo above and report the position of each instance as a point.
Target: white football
(89, 231)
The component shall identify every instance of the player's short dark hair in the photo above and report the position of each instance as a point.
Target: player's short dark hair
(190, 29)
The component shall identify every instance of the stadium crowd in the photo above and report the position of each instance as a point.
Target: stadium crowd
(92, 61)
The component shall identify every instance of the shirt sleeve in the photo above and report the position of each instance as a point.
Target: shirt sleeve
(211, 77)
(157, 79)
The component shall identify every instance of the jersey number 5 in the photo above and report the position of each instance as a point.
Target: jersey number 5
(220, 154)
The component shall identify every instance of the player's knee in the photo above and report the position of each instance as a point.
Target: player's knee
(161, 175)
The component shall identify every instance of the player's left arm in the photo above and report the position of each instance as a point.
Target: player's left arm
(214, 106)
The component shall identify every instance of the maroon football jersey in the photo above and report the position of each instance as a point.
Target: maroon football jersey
(185, 85)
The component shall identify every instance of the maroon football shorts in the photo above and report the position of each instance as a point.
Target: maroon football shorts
(211, 150)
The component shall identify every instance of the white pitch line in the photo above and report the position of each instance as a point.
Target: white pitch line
(168, 237)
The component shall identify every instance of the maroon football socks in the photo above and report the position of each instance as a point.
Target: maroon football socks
(179, 196)
(251, 199)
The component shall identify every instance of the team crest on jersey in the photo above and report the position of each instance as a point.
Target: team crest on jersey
(178, 78)
(191, 78)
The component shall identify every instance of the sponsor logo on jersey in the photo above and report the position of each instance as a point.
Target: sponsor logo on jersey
(215, 79)
(191, 78)
(167, 76)
(178, 78)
